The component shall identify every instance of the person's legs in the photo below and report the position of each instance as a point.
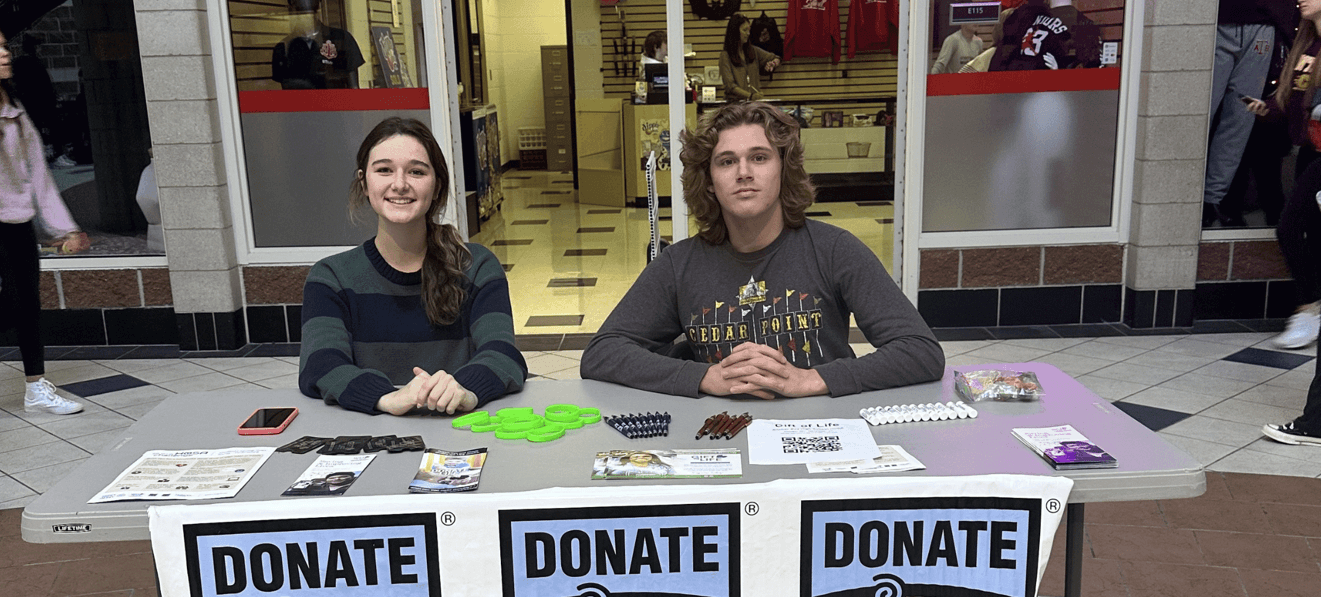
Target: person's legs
(1306, 429)
(1299, 235)
(1242, 60)
(22, 287)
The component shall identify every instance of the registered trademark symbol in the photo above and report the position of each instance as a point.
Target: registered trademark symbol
(752, 508)
(447, 519)
(1052, 505)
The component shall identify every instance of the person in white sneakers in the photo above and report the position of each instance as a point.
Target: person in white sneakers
(28, 196)
(1302, 329)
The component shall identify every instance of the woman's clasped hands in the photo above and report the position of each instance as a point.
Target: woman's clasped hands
(437, 391)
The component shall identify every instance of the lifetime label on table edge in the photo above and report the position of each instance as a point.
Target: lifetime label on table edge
(71, 528)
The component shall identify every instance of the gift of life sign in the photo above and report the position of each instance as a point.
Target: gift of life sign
(925, 546)
(393, 555)
(655, 550)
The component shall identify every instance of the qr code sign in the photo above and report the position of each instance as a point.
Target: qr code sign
(807, 445)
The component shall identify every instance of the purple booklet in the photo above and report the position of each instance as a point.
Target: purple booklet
(1064, 448)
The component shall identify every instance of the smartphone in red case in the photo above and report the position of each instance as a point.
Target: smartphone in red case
(268, 421)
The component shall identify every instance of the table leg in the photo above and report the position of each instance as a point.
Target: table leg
(1073, 551)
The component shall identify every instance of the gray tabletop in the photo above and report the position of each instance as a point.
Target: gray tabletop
(1149, 467)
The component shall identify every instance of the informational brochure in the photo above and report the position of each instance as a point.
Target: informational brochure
(330, 475)
(773, 441)
(445, 471)
(892, 459)
(668, 464)
(1064, 447)
(185, 475)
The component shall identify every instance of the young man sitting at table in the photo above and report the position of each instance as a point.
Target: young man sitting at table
(762, 295)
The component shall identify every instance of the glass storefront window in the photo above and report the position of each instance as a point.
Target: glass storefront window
(313, 77)
(1022, 114)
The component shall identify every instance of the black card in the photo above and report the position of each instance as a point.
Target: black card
(376, 444)
(343, 443)
(303, 445)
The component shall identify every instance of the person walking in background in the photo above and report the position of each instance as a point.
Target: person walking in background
(28, 196)
(1244, 40)
(1299, 233)
(957, 50)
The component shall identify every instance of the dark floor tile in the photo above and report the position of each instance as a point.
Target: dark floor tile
(551, 320)
(1270, 488)
(56, 353)
(1269, 358)
(1205, 514)
(1265, 325)
(873, 203)
(571, 283)
(884, 220)
(528, 222)
(592, 212)
(507, 266)
(100, 353)
(100, 575)
(1219, 326)
(961, 334)
(9, 354)
(1087, 330)
(1100, 578)
(591, 229)
(1021, 332)
(818, 214)
(104, 385)
(1293, 519)
(530, 342)
(1151, 417)
(576, 341)
(584, 252)
(153, 351)
(502, 242)
(1144, 544)
(1256, 551)
(1176, 580)
(35, 579)
(1144, 513)
(276, 350)
(1278, 583)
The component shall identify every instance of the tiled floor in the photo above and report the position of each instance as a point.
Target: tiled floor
(1256, 532)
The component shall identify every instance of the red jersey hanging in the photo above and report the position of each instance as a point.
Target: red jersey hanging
(812, 29)
(869, 26)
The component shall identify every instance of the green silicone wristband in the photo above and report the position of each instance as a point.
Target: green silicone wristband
(523, 424)
(516, 412)
(491, 425)
(589, 415)
(576, 423)
(472, 418)
(561, 416)
(548, 433)
(505, 434)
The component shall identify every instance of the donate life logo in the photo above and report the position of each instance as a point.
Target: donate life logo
(656, 551)
(350, 556)
(953, 547)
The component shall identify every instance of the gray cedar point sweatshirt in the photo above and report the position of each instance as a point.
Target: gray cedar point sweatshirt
(796, 295)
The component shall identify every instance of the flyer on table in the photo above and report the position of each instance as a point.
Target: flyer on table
(185, 475)
(668, 464)
(892, 459)
(330, 475)
(773, 441)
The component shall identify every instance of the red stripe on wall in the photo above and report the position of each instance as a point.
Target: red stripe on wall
(1032, 81)
(333, 100)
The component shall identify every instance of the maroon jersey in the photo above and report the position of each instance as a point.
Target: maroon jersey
(812, 29)
(869, 26)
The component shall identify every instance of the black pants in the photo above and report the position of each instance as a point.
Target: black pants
(20, 298)
(1311, 419)
(1299, 231)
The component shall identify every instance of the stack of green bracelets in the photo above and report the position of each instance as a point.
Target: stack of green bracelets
(522, 422)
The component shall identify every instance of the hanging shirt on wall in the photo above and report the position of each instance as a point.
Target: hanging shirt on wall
(869, 26)
(812, 29)
(1034, 39)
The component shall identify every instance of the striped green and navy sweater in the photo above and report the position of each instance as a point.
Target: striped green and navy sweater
(365, 328)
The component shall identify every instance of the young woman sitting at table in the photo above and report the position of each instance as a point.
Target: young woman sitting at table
(413, 306)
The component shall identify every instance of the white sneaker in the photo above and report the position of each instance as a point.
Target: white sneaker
(41, 397)
(1300, 331)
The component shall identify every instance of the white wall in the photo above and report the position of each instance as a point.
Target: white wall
(587, 54)
(514, 31)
